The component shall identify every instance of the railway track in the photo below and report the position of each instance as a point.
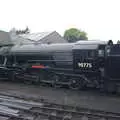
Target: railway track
(24, 108)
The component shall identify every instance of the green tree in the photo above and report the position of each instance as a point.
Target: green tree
(74, 34)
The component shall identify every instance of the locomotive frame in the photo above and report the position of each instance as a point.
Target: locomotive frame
(77, 65)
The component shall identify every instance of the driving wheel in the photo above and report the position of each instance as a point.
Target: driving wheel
(76, 84)
(56, 80)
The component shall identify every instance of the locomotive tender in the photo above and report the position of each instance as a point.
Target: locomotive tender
(77, 65)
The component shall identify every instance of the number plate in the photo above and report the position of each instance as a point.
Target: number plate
(84, 65)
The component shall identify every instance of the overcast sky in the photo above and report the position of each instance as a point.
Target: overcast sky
(99, 18)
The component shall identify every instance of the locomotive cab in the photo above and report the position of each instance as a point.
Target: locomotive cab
(88, 56)
(84, 57)
(88, 60)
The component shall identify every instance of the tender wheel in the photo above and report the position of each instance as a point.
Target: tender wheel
(76, 84)
(56, 80)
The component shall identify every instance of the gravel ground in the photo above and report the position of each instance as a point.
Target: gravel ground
(88, 99)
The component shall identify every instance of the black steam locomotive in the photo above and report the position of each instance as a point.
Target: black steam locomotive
(77, 65)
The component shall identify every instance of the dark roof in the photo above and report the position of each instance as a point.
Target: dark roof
(35, 36)
(42, 37)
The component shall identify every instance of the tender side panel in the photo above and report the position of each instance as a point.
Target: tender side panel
(113, 67)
